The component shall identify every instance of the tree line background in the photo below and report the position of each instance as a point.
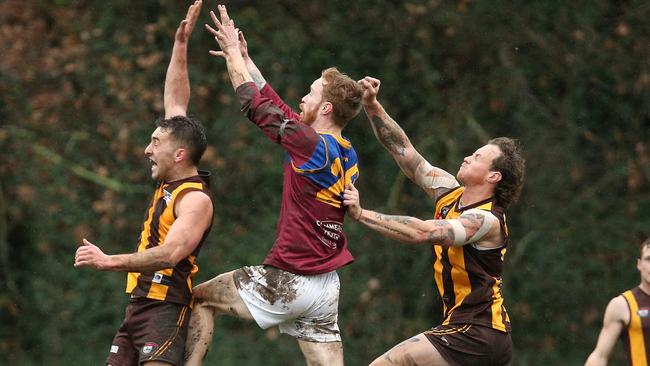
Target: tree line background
(81, 83)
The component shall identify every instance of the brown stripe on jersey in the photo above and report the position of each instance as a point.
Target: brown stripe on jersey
(636, 338)
(175, 285)
(478, 304)
(153, 240)
(448, 296)
(444, 196)
(154, 236)
(471, 278)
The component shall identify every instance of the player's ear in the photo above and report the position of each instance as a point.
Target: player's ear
(180, 154)
(327, 108)
(494, 177)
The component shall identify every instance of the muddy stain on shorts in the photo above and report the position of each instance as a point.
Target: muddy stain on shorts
(280, 285)
(310, 331)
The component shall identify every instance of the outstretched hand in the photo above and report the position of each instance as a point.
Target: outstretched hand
(353, 201)
(186, 27)
(243, 45)
(89, 255)
(370, 89)
(226, 35)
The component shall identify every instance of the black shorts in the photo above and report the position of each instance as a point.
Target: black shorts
(468, 344)
(151, 331)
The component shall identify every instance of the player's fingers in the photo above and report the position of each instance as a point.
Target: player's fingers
(182, 26)
(224, 14)
(80, 262)
(374, 82)
(217, 53)
(211, 30)
(216, 21)
(86, 242)
(196, 8)
(193, 14)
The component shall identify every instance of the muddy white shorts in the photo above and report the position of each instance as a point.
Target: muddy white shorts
(305, 307)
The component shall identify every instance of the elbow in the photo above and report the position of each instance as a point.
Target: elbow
(169, 259)
(172, 260)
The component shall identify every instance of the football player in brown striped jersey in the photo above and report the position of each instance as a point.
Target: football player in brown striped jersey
(176, 223)
(469, 238)
(628, 317)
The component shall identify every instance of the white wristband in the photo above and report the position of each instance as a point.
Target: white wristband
(459, 232)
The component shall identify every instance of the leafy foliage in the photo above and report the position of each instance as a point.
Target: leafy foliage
(81, 83)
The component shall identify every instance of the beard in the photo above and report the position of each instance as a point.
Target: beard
(308, 116)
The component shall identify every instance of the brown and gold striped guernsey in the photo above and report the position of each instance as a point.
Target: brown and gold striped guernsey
(468, 277)
(170, 284)
(636, 339)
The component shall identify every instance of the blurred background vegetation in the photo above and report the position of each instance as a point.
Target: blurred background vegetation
(81, 84)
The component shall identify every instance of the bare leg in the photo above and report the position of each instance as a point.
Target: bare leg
(322, 353)
(212, 298)
(199, 336)
(416, 351)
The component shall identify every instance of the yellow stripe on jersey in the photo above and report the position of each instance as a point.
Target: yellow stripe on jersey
(158, 291)
(497, 308)
(635, 332)
(131, 281)
(350, 173)
(132, 277)
(437, 274)
(343, 142)
(459, 274)
(331, 195)
(327, 158)
(459, 277)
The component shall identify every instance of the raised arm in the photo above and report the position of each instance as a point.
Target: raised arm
(473, 226)
(227, 36)
(193, 213)
(615, 320)
(261, 83)
(177, 82)
(250, 65)
(434, 181)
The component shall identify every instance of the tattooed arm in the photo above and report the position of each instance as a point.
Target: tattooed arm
(473, 226)
(434, 181)
(227, 36)
(453, 232)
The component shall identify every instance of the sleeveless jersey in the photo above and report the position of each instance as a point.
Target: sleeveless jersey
(636, 339)
(169, 284)
(468, 278)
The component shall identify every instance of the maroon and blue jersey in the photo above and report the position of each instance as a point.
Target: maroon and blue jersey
(317, 167)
